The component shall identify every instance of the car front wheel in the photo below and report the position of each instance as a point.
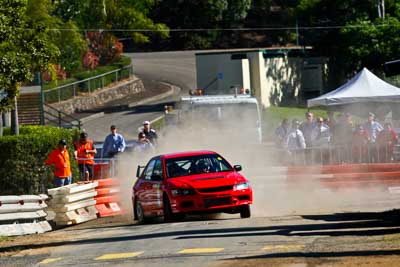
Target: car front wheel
(169, 216)
(245, 211)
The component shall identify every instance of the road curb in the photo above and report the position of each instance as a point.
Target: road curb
(170, 92)
(91, 117)
(153, 98)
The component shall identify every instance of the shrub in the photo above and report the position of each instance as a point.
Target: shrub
(22, 168)
(105, 46)
(123, 62)
(54, 84)
(55, 72)
(90, 60)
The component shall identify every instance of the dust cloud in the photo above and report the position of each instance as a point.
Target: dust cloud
(262, 163)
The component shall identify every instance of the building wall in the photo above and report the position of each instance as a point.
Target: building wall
(283, 80)
(273, 77)
(217, 73)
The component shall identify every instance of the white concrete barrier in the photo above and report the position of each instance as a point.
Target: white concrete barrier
(21, 215)
(73, 204)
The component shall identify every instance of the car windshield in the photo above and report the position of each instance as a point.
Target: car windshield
(192, 165)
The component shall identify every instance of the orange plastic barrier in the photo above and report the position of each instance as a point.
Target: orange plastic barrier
(109, 209)
(109, 182)
(108, 198)
(106, 191)
(379, 185)
(347, 177)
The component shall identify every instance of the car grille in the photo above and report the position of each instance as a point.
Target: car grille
(215, 189)
(217, 202)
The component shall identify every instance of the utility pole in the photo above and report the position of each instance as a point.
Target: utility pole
(381, 8)
(297, 33)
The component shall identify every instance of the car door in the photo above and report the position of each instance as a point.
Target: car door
(156, 180)
(144, 187)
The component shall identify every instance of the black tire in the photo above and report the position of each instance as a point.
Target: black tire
(169, 216)
(245, 211)
(138, 212)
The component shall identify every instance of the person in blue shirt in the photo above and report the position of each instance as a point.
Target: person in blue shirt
(373, 128)
(113, 144)
(143, 144)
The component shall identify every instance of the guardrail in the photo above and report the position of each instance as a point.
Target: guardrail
(88, 85)
(22, 215)
(59, 118)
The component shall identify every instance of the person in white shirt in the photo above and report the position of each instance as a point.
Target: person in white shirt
(320, 138)
(321, 135)
(295, 143)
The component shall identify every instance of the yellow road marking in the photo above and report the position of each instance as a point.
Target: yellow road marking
(200, 250)
(50, 260)
(119, 256)
(283, 247)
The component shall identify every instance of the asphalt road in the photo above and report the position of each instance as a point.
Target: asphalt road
(222, 242)
(177, 68)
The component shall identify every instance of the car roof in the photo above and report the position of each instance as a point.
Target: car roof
(219, 99)
(186, 154)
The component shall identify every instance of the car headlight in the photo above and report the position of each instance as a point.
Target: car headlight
(241, 186)
(182, 192)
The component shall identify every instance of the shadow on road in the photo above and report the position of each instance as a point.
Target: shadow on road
(343, 224)
(331, 254)
(392, 215)
(159, 107)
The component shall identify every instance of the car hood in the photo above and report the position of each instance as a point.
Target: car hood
(207, 180)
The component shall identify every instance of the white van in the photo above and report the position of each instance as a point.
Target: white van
(238, 116)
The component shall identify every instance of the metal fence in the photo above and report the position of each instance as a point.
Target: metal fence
(340, 154)
(89, 85)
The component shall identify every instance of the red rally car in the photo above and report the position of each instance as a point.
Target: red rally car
(173, 185)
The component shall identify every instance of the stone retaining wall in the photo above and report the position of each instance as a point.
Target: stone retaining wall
(100, 97)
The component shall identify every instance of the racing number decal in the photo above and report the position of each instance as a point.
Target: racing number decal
(158, 189)
(156, 186)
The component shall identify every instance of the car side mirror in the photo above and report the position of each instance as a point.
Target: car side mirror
(156, 177)
(138, 170)
(237, 168)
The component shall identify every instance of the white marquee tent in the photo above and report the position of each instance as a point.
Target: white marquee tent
(365, 87)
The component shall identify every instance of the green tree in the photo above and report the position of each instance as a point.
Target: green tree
(70, 41)
(24, 47)
(196, 16)
(350, 33)
(113, 14)
(272, 14)
(72, 46)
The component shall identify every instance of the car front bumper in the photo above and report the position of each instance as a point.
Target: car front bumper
(211, 202)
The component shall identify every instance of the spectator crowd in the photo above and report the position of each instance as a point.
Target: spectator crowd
(336, 140)
(85, 151)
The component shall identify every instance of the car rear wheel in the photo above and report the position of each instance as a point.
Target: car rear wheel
(138, 212)
(245, 211)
